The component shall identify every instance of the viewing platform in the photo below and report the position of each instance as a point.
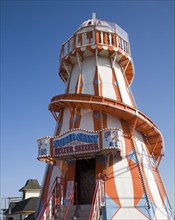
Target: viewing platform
(99, 39)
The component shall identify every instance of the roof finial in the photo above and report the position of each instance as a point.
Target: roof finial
(93, 17)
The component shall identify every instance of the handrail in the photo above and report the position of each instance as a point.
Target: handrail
(141, 173)
(53, 200)
(98, 199)
(70, 201)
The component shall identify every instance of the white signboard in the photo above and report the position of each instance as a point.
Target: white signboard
(43, 147)
(76, 142)
(111, 139)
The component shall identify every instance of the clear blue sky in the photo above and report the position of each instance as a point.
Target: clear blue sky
(32, 33)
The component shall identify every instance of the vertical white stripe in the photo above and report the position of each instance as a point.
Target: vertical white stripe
(123, 182)
(65, 123)
(88, 72)
(105, 71)
(122, 86)
(87, 119)
(74, 78)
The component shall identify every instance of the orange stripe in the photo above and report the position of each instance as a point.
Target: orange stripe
(97, 35)
(79, 85)
(104, 117)
(46, 183)
(70, 175)
(110, 187)
(97, 120)
(100, 165)
(105, 38)
(95, 82)
(115, 84)
(114, 40)
(89, 36)
(137, 185)
(100, 48)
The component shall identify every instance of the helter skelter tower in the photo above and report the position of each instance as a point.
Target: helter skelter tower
(103, 159)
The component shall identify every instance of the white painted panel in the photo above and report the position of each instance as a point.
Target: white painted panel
(122, 86)
(105, 71)
(74, 78)
(123, 182)
(88, 72)
(129, 213)
(149, 174)
(65, 123)
(113, 122)
(108, 91)
(87, 119)
(88, 89)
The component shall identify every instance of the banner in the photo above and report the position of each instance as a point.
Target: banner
(76, 142)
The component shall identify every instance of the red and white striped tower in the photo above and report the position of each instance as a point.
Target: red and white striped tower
(103, 159)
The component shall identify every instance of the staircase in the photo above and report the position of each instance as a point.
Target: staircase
(53, 208)
(78, 212)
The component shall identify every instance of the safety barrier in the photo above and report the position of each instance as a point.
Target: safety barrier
(54, 199)
(98, 199)
(94, 37)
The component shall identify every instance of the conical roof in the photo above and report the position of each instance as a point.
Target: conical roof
(31, 184)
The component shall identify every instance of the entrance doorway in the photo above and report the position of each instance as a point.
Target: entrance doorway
(85, 179)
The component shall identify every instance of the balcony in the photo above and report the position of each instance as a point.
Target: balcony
(94, 37)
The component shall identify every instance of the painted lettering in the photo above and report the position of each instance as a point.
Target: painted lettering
(82, 137)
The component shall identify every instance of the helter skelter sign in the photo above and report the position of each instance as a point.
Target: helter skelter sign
(75, 142)
(78, 142)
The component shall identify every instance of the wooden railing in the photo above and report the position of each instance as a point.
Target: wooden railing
(98, 199)
(54, 199)
(94, 37)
